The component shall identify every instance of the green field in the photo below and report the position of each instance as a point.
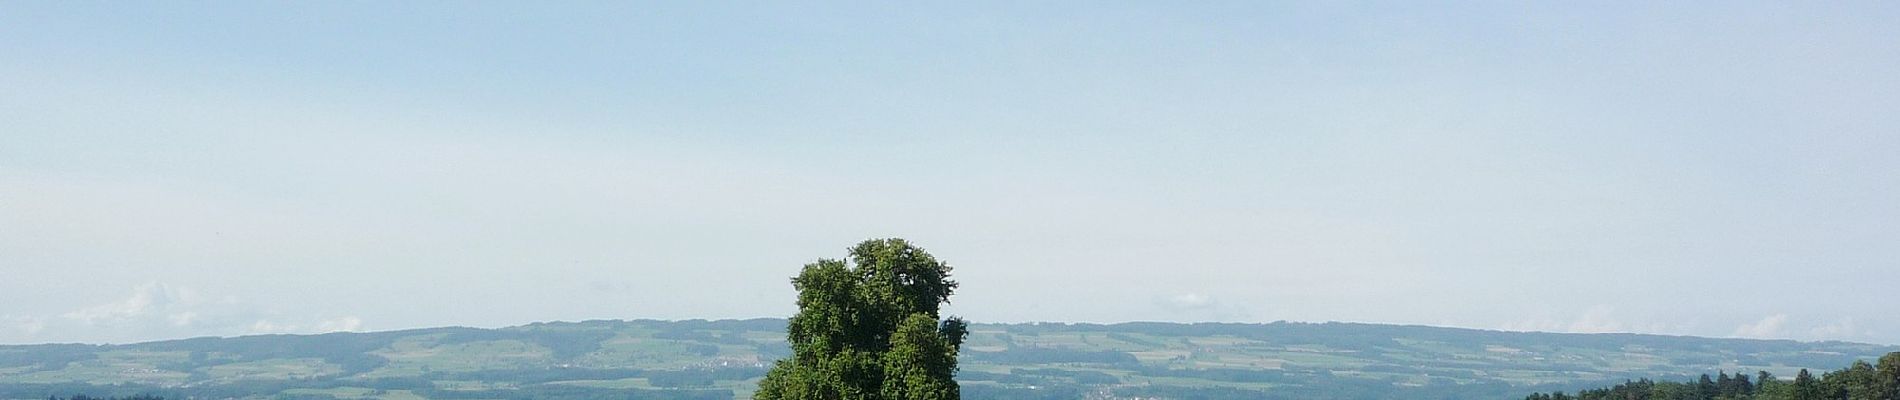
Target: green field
(724, 359)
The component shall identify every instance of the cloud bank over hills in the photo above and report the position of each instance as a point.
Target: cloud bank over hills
(154, 310)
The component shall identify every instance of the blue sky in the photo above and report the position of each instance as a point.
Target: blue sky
(1713, 169)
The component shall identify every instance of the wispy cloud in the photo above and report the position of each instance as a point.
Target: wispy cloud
(1599, 318)
(147, 301)
(1844, 328)
(1193, 306)
(1769, 327)
(158, 310)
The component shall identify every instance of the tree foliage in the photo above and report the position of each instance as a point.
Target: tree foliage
(867, 327)
(1860, 381)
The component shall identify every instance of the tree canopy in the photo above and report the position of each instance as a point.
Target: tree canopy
(867, 327)
(1859, 381)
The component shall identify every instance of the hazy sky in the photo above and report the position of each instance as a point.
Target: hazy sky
(178, 169)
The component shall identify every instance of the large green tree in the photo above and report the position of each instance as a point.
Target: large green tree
(868, 328)
(1887, 377)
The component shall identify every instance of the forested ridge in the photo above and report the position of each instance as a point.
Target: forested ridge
(1860, 381)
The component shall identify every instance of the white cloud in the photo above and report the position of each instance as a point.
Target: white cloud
(146, 300)
(338, 324)
(1843, 329)
(1768, 327)
(1195, 301)
(1603, 319)
(156, 310)
(1597, 319)
(342, 324)
(267, 327)
(1194, 306)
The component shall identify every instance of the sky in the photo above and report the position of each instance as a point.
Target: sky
(1723, 169)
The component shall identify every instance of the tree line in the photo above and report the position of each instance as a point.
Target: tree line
(1860, 381)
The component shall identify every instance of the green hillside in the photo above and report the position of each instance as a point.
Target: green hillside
(724, 360)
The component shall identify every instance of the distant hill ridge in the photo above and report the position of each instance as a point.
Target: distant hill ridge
(722, 359)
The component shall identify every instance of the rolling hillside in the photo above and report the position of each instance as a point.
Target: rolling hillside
(724, 359)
